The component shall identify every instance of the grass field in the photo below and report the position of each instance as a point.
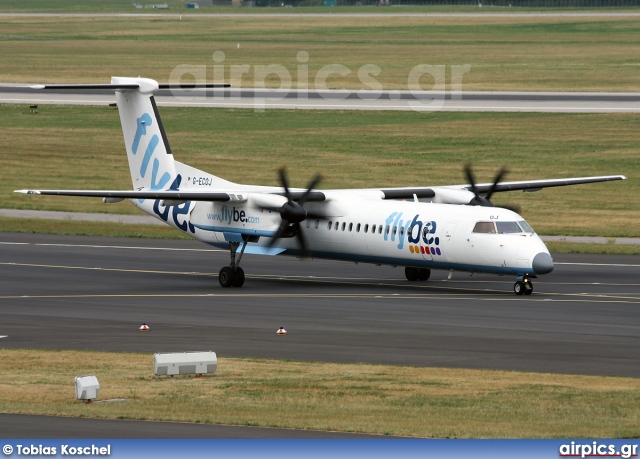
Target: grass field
(504, 53)
(382, 399)
(73, 147)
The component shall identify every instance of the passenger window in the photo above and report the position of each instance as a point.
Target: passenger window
(344, 225)
(366, 228)
(308, 223)
(395, 230)
(358, 228)
(337, 226)
(380, 229)
(402, 231)
(508, 227)
(484, 227)
(387, 229)
(317, 223)
(350, 227)
(329, 224)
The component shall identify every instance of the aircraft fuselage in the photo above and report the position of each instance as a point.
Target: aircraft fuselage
(363, 229)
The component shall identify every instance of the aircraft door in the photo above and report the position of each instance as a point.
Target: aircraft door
(446, 241)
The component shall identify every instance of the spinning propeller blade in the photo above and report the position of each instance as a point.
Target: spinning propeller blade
(479, 200)
(292, 212)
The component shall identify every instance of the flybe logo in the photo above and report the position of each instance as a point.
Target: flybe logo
(143, 123)
(420, 235)
(179, 213)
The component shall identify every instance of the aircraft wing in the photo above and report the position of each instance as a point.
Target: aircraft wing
(173, 195)
(526, 185)
(536, 185)
(319, 196)
(159, 194)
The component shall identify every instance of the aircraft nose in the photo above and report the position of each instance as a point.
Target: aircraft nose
(542, 263)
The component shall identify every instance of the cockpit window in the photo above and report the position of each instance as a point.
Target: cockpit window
(525, 227)
(484, 227)
(508, 227)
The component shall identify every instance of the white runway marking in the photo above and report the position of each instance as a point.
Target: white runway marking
(450, 291)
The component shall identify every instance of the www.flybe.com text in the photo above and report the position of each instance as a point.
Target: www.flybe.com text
(229, 215)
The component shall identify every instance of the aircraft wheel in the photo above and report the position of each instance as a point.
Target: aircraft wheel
(519, 288)
(528, 288)
(424, 274)
(411, 273)
(238, 278)
(226, 276)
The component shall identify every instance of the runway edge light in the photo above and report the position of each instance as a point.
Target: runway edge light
(87, 388)
(144, 328)
(281, 331)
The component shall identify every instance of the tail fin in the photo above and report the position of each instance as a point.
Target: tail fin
(150, 158)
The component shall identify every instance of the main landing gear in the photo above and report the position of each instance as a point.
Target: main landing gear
(417, 274)
(523, 286)
(233, 275)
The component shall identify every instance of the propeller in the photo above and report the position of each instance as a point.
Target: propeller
(292, 212)
(478, 199)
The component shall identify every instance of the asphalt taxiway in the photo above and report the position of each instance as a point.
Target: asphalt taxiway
(28, 426)
(71, 292)
(68, 292)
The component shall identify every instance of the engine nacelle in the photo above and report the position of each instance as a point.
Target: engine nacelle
(261, 200)
(452, 195)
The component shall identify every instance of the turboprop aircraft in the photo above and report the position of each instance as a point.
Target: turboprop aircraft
(454, 228)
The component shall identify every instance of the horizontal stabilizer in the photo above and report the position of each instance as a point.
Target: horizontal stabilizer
(130, 87)
(193, 85)
(86, 86)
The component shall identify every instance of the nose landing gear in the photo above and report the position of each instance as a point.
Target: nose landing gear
(523, 286)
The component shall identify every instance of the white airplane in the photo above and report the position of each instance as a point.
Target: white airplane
(454, 228)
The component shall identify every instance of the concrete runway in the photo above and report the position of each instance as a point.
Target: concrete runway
(260, 99)
(70, 292)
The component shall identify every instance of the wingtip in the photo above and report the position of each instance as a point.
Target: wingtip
(26, 191)
(37, 86)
